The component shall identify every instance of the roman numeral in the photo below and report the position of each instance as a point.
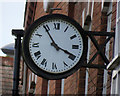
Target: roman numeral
(38, 35)
(44, 62)
(54, 66)
(46, 27)
(35, 45)
(57, 26)
(72, 57)
(66, 29)
(72, 37)
(37, 54)
(75, 46)
(65, 65)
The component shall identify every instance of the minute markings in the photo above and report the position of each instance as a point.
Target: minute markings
(66, 29)
(65, 65)
(38, 35)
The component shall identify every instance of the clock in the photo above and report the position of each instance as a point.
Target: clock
(54, 46)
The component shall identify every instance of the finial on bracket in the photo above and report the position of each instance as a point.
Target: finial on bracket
(53, 9)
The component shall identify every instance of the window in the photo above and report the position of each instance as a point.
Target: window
(117, 34)
(109, 17)
(115, 88)
(118, 83)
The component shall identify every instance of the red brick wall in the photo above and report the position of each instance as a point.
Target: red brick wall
(6, 75)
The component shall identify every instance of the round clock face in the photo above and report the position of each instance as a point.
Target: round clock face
(54, 46)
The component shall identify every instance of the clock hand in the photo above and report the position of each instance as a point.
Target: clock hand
(53, 42)
(55, 45)
(67, 52)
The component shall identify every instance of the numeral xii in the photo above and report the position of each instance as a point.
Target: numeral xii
(57, 26)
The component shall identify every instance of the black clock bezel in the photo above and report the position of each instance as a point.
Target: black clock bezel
(26, 54)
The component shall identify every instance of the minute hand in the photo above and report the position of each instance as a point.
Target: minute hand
(65, 51)
(53, 42)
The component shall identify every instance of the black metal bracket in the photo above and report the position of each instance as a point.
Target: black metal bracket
(99, 48)
(53, 9)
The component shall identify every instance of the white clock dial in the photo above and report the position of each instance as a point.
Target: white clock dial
(55, 46)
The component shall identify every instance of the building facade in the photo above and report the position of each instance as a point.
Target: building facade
(92, 16)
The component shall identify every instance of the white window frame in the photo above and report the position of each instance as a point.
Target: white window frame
(117, 38)
(62, 87)
(29, 82)
(115, 64)
(88, 7)
(83, 17)
(88, 57)
(48, 89)
(112, 65)
(92, 9)
(113, 84)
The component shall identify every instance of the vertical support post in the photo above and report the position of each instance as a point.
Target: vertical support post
(16, 65)
(17, 56)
